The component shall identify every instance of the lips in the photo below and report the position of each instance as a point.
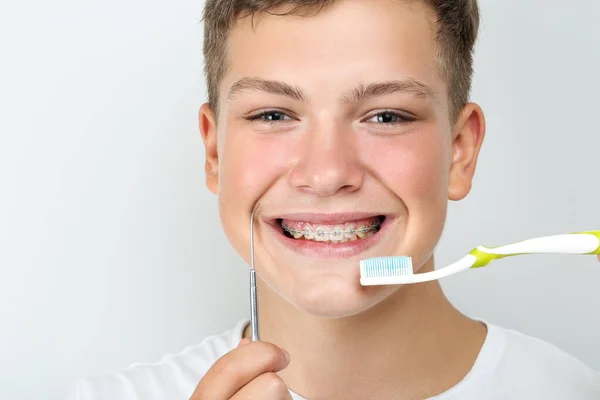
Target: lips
(331, 232)
(330, 236)
(329, 225)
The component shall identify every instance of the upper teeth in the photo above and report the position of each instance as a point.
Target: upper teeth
(337, 233)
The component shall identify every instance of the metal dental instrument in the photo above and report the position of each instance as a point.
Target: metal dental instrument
(253, 300)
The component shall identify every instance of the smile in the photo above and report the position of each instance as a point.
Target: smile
(339, 233)
(330, 236)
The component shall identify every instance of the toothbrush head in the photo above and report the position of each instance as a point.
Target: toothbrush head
(374, 270)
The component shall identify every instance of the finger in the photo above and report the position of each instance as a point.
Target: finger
(598, 258)
(268, 386)
(237, 368)
(244, 341)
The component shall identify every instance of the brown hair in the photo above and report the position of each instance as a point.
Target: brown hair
(457, 27)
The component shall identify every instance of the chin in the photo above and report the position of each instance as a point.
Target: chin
(334, 296)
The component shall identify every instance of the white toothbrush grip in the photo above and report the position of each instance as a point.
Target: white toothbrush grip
(572, 243)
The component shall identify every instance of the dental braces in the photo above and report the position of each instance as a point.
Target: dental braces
(335, 233)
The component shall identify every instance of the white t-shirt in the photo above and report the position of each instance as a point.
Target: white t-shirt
(510, 366)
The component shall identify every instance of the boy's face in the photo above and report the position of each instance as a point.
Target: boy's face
(355, 131)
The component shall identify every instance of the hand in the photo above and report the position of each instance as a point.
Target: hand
(599, 258)
(246, 372)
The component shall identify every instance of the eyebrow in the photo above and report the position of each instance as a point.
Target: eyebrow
(269, 86)
(359, 93)
(362, 92)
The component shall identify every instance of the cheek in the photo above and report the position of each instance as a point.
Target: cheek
(247, 168)
(414, 167)
(249, 164)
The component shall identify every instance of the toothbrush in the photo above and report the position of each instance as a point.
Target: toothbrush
(398, 270)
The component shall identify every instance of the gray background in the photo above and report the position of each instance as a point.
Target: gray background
(110, 247)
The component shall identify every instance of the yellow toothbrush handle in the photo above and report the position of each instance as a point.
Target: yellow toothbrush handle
(572, 243)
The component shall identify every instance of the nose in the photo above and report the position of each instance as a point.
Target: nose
(328, 162)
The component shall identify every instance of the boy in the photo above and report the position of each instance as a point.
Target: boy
(350, 115)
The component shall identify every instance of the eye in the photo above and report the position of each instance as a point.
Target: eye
(270, 116)
(389, 118)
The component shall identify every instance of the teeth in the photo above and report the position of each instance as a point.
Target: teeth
(336, 234)
(321, 234)
(308, 234)
(350, 234)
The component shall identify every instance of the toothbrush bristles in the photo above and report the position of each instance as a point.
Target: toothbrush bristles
(383, 267)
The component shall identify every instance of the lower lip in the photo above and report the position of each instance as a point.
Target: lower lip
(330, 250)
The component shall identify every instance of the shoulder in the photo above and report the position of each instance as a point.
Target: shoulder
(175, 376)
(539, 369)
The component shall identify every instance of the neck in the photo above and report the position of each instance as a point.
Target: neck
(414, 345)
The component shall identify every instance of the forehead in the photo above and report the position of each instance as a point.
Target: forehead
(351, 41)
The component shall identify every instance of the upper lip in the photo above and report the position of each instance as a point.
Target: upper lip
(325, 219)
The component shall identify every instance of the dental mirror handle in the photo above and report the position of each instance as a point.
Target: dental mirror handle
(253, 297)
(253, 307)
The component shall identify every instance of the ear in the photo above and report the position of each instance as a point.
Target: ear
(208, 129)
(467, 138)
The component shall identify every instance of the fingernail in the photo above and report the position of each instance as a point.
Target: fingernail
(244, 341)
(286, 355)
